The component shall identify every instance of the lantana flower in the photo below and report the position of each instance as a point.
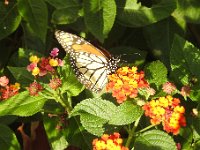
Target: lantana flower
(125, 83)
(109, 142)
(55, 83)
(4, 81)
(166, 110)
(6, 90)
(185, 91)
(169, 87)
(42, 66)
(54, 52)
(34, 88)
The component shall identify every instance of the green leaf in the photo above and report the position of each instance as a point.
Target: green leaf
(187, 10)
(22, 75)
(63, 3)
(133, 14)
(164, 30)
(71, 132)
(195, 93)
(96, 112)
(187, 138)
(9, 19)
(93, 124)
(31, 40)
(155, 140)
(67, 13)
(131, 55)
(126, 113)
(36, 14)
(96, 107)
(196, 122)
(55, 136)
(22, 104)
(21, 57)
(7, 119)
(156, 73)
(99, 17)
(184, 60)
(8, 139)
(70, 83)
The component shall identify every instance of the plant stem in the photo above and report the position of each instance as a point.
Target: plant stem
(131, 133)
(66, 102)
(148, 127)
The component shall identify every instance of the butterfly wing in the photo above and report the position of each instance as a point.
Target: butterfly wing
(89, 63)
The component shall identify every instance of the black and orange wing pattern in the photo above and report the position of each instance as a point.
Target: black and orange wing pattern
(91, 65)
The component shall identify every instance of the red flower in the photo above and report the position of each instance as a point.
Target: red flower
(34, 88)
(45, 67)
(31, 66)
(9, 91)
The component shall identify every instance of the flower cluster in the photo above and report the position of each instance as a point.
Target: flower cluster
(125, 82)
(6, 90)
(166, 110)
(42, 66)
(34, 88)
(55, 83)
(169, 87)
(109, 142)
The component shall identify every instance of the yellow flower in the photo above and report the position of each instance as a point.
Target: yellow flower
(179, 109)
(163, 101)
(35, 71)
(34, 59)
(53, 62)
(16, 85)
(134, 69)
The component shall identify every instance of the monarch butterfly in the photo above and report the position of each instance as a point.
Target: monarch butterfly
(91, 65)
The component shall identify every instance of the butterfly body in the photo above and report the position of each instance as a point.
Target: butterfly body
(90, 64)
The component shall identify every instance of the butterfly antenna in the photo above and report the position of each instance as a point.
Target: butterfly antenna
(125, 61)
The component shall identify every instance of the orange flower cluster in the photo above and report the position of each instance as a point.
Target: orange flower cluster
(168, 111)
(109, 142)
(125, 82)
(6, 90)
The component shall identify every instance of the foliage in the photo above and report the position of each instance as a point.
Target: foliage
(161, 37)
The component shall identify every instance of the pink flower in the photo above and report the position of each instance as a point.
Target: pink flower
(34, 88)
(4, 81)
(185, 91)
(60, 62)
(150, 91)
(54, 52)
(55, 83)
(169, 87)
(178, 146)
(31, 66)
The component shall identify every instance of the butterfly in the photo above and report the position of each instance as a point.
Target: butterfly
(91, 65)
